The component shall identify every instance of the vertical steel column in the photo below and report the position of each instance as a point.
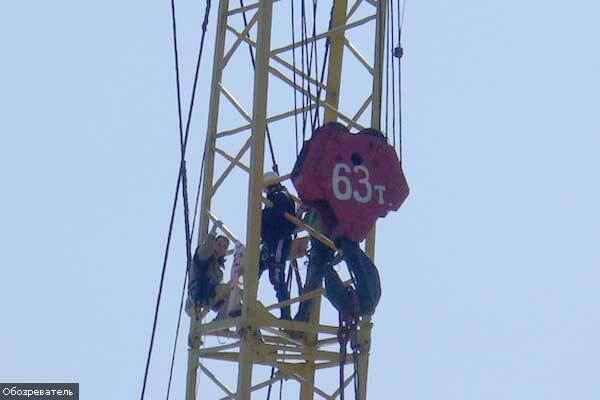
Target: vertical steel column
(336, 58)
(192, 375)
(251, 259)
(334, 78)
(377, 92)
(207, 179)
(366, 326)
(213, 118)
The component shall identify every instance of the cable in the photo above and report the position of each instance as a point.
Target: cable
(174, 207)
(303, 63)
(387, 71)
(176, 335)
(162, 278)
(197, 202)
(192, 230)
(180, 178)
(399, 54)
(325, 57)
(185, 198)
(187, 270)
(275, 166)
(314, 51)
(294, 78)
(393, 82)
(271, 385)
(402, 16)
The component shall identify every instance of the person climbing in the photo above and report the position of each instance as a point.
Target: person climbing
(206, 275)
(351, 180)
(365, 276)
(276, 234)
(365, 297)
(319, 256)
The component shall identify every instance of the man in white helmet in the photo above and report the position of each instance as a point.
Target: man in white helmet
(276, 233)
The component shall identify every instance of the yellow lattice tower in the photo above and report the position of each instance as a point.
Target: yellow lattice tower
(295, 359)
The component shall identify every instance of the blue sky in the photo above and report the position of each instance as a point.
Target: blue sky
(489, 272)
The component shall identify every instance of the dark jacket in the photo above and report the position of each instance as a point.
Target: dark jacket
(207, 272)
(274, 224)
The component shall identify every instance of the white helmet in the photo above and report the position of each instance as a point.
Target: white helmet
(270, 178)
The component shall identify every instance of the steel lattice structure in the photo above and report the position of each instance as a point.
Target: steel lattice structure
(299, 360)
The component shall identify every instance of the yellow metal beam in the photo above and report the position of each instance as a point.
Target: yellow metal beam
(334, 76)
(278, 346)
(365, 325)
(208, 176)
(251, 258)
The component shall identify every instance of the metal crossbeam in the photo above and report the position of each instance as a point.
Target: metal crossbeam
(353, 9)
(215, 380)
(235, 103)
(257, 337)
(238, 41)
(246, 8)
(324, 35)
(232, 160)
(359, 56)
(274, 118)
(232, 164)
(335, 394)
(276, 378)
(322, 103)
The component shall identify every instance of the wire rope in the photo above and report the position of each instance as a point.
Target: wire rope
(399, 56)
(180, 179)
(192, 229)
(393, 80)
(294, 77)
(274, 166)
(387, 71)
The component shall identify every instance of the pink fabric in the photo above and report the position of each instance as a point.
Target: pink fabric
(358, 175)
(237, 278)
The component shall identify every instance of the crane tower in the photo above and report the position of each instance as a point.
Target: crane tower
(256, 337)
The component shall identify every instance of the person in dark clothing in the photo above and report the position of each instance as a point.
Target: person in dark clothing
(276, 233)
(320, 262)
(318, 257)
(367, 281)
(206, 275)
(364, 297)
